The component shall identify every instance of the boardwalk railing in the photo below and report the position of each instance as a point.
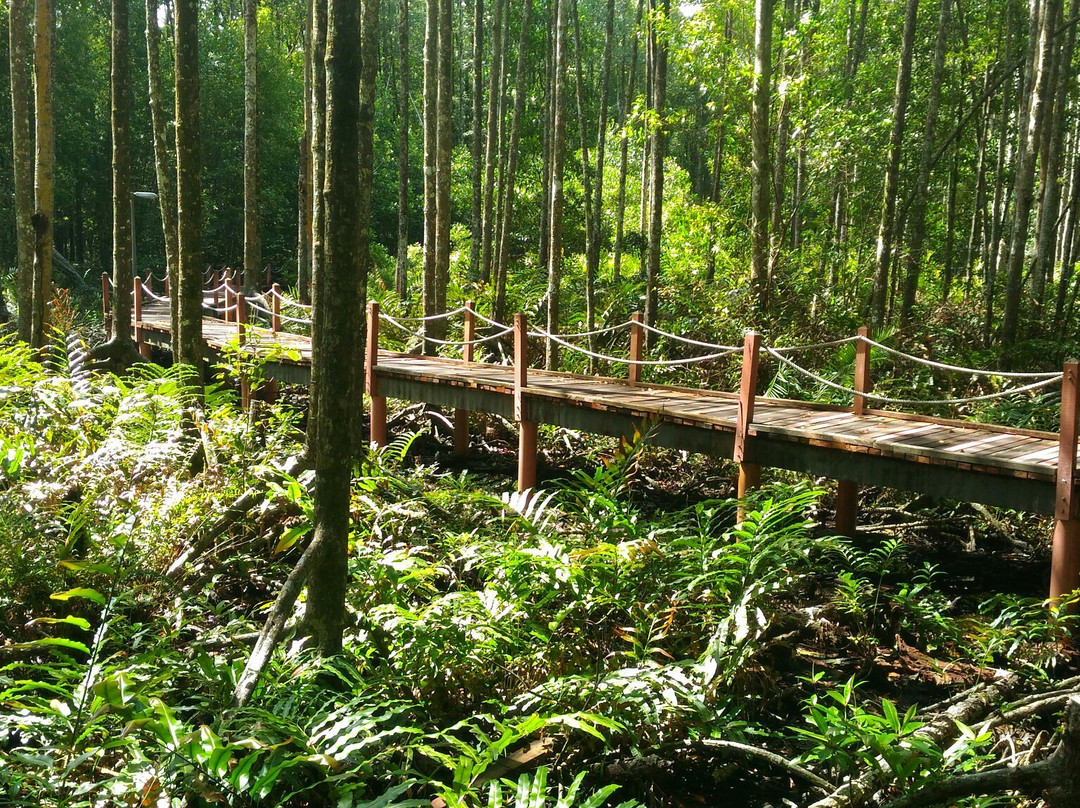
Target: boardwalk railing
(274, 308)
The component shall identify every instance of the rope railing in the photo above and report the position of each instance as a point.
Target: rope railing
(271, 314)
(150, 293)
(836, 343)
(687, 341)
(558, 338)
(451, 343)
(1004, 374)
(906, 402)
(431, 318)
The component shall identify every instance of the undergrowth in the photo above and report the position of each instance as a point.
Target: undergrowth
(579, 618)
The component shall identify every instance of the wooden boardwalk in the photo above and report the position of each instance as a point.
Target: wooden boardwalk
(994, 465)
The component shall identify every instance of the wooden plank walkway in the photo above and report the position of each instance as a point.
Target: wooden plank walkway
(993, 465)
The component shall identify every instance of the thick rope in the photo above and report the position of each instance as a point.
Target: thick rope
(452, 343)
(971, 371)
(906, 402)
(150, 293)
(597, 332)
(831, 344)
(289, 301)
(284, 317)
(222, 309)
(687, 340)
(488, 320)
(624, 361)
(434, 317)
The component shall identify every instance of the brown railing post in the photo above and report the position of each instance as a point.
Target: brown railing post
(637, 342)
(106, 307)
(527, 435)
(378, 402)
(275, 308)
(847, 491)
(749, 473)
(1065, 561)
(461, 417)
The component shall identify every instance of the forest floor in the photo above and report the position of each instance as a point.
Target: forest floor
(613, 628)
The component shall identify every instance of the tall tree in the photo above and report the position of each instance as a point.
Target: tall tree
(508, 185)
(760, 171)
(335, 330)
(252, 244)
(401, 277)
(164, 168)
(1045, 16)
(19, 47)
(305, 176)
(887, 225)
(431, 147)
(477, 141)
(443, 152)
(624, 150)
(187, 340)
(44, 166)
(657, 151)
(558, 159)
(917, 216)
(491, 147)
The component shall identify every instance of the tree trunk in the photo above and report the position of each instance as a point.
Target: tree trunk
(187, 341)
(624, 153)
(164, 168)
(886, 228)
(431, 146)
(1050, 202)
(19, 47)
(442, 164)
(498, 48)
(120, 104)
(548, 128)
(502, 252)
(401, 278)
(760, 173)
(1069, 239)
(1026, 155)
(335, 330)
(657, 151)
(586, 178)
(558, 159)
(977, 234)
(252, 244)
(44, 167)
(592, 258)
(306, 167)
(477, 133)
(917, 217)
(318, 137)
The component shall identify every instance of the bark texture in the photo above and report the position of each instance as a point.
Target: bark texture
(20, 44)
(252, 244)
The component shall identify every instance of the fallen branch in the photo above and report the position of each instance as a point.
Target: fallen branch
(819, 783)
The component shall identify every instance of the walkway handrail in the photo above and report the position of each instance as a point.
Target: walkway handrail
(1004, 374)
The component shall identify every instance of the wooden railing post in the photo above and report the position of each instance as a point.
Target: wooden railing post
(1065, 561)
(136, 304)
(527, 427)
(275, 308)
(847, 491)
(106, 304)
(637, 343)
(215, 281)
(371, 380)
(749, 473)
(461, 417)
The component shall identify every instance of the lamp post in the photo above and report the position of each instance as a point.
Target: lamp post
(148, 195)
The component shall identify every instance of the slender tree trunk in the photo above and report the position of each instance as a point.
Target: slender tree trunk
(558, 158)
(624, 152)
(586, 179)
(760, 172)
(20, 44)
(780, 152)
(886, 229)
(502, 258)
(431, 141)
(120, 104)
(401, 278)
(1050, 202)
(917, 217)
(318, 137)
(1070, 239)
(593, 259)
(657, 152)
(549, 127)
(498, 48)
(477, 231)
(187, 341)
(977, 233)
(1026, 156)
(44, 167)
(1000, 203)
(252, 244)
(164, 168)
(442, 165)
(305, 173)
(335, 331)
(950, 222)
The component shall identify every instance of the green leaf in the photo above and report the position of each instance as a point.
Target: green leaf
(80, 622)
(291, 537)
(87, 566)
(56, 642)
(80, 592)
